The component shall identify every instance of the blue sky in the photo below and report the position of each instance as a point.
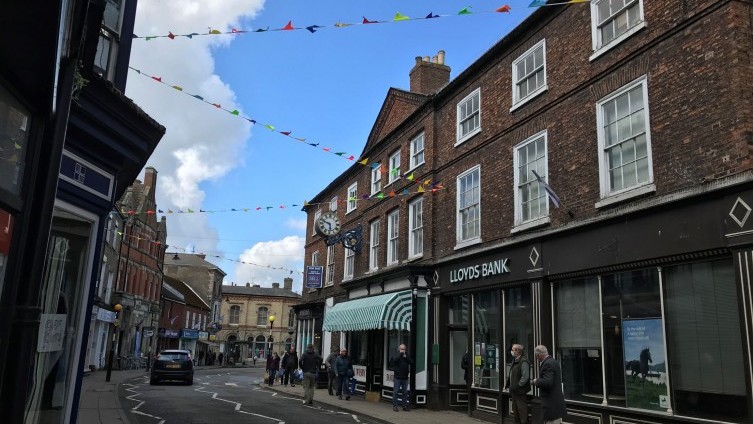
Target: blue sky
(326, 87)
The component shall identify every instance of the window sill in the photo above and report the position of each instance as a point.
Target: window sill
(234, 325)
(466, 243)
(348, 278)
(612, 44)
(539, 222)
(416, 257)
(391, 264)
(625, 195)
(520, 103)
(414, 168)
(467, 137)
(349, 211)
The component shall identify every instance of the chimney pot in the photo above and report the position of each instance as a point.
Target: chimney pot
(429, 75)
(440, 57)
(426, 58)
(433, 59)
(248, 284)
(275, 285)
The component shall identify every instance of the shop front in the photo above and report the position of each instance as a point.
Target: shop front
(649, 317)
(375, 326)
(168, 339)
(188, 338)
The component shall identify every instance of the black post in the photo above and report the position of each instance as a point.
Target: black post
(113, 342)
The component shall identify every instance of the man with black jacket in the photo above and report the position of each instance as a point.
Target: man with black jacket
(550, 385)
(401, 366)
(310, 363)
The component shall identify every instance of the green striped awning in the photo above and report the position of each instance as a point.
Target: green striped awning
(391, 311)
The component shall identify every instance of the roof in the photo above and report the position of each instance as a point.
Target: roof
(192, 298)
(190, 259)
(169, 291)
(259, 291)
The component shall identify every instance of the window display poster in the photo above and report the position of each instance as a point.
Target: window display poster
(645, 364)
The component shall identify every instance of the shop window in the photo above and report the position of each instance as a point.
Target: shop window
(518, 323)
(460, 309)
(259, 348)
(65, 287)
(633, 323)
(486, 340)
(262, 315)
(394, 339)
(579, 339)
(358, 348)
(458, 349)
(14, 138)
(703, 334)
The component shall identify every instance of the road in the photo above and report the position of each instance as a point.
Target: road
(223, 395)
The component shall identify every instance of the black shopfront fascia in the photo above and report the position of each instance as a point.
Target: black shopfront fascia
(717, 224)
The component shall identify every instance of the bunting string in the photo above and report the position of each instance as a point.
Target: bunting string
(423, 187)
(290, 271)
(399, 17)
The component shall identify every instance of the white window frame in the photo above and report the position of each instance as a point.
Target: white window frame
(330, 268)
(415, 151)
(376, 179)
(459, 217)
(461, 104)
(317, 214)
(393, 163)
(518, 101)
(416, 228)
(607, 195)
(262, 320)
(333, 204)
(352, 198)
(315, 258)
(349, 264)
(393, 236)
(374, 228)
(520, 224)
(600, 48)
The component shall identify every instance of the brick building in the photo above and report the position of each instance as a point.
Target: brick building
(587, 185)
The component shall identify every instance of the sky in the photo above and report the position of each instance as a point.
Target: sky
(325, 87)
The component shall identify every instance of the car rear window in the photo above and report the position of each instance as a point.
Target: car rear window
(172, 357)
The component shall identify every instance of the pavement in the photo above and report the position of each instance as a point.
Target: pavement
(100, 403)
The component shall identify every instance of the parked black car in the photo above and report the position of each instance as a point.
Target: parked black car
(172, 365)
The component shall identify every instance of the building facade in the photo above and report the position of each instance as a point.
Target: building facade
(73, 143)
(196, 319)
(257, 321)
(173, 313)
(587, 185)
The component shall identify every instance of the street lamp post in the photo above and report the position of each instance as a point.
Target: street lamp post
(271, 326)
(117, 309)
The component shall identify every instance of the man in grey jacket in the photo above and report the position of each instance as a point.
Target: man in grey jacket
(550, 385)
(330, 362)
(519, 383)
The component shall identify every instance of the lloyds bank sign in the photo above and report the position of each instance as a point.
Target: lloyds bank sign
(480, 270)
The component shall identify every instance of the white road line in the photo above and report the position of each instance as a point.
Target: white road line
(238, 405)
(135, 410)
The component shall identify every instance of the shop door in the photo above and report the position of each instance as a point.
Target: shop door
(458, 374)
(375, 363)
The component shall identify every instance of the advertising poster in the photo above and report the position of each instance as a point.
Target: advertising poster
(645, 364)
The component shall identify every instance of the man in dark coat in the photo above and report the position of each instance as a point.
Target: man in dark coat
(519, 384)
(401, 365)
(289, 363)
(331, 376)
(550, 384)
(310, 363)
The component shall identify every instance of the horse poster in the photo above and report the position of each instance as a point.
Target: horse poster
(645, 364)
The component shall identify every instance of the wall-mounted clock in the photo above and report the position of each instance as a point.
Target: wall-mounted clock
(328, 224)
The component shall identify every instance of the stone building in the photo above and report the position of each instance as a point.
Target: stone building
(258, 320)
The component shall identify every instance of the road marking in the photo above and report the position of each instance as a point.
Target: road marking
(231, 384)
(238, 405)
(135, 409)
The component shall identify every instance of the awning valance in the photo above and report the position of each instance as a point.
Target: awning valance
(391, 311)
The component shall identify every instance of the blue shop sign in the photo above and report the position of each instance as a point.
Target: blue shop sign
(189, 334)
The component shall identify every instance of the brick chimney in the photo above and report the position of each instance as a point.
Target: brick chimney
(429, 76)
(288, 284)
(150, 179)
(275, 285)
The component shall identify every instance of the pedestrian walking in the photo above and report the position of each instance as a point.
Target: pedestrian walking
(401, 365)
(219, 359)
(331, 376)
(310, 362)
(550, 384)
(273, 365)
(344, 372)
(290, 363)
(519, 383)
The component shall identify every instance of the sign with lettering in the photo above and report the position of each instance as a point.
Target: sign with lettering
(314, 277)
(51, 332)
(86, 176)
(482, 270)
(359, 372)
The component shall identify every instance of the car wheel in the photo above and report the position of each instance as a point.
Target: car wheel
(152, 381)
(189, 382)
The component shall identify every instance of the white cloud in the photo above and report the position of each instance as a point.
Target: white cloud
(296, 224)
(201, 143)
(286, 253)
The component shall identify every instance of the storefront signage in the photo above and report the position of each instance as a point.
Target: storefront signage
(51, 332)
(167, 333)
(485, 269)
(148, 331)
(84, 175)
(106, 316)
(359, 372)
(203, 335)
(314, 277)
(188, 333)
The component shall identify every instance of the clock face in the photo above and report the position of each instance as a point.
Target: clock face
(328, 224)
